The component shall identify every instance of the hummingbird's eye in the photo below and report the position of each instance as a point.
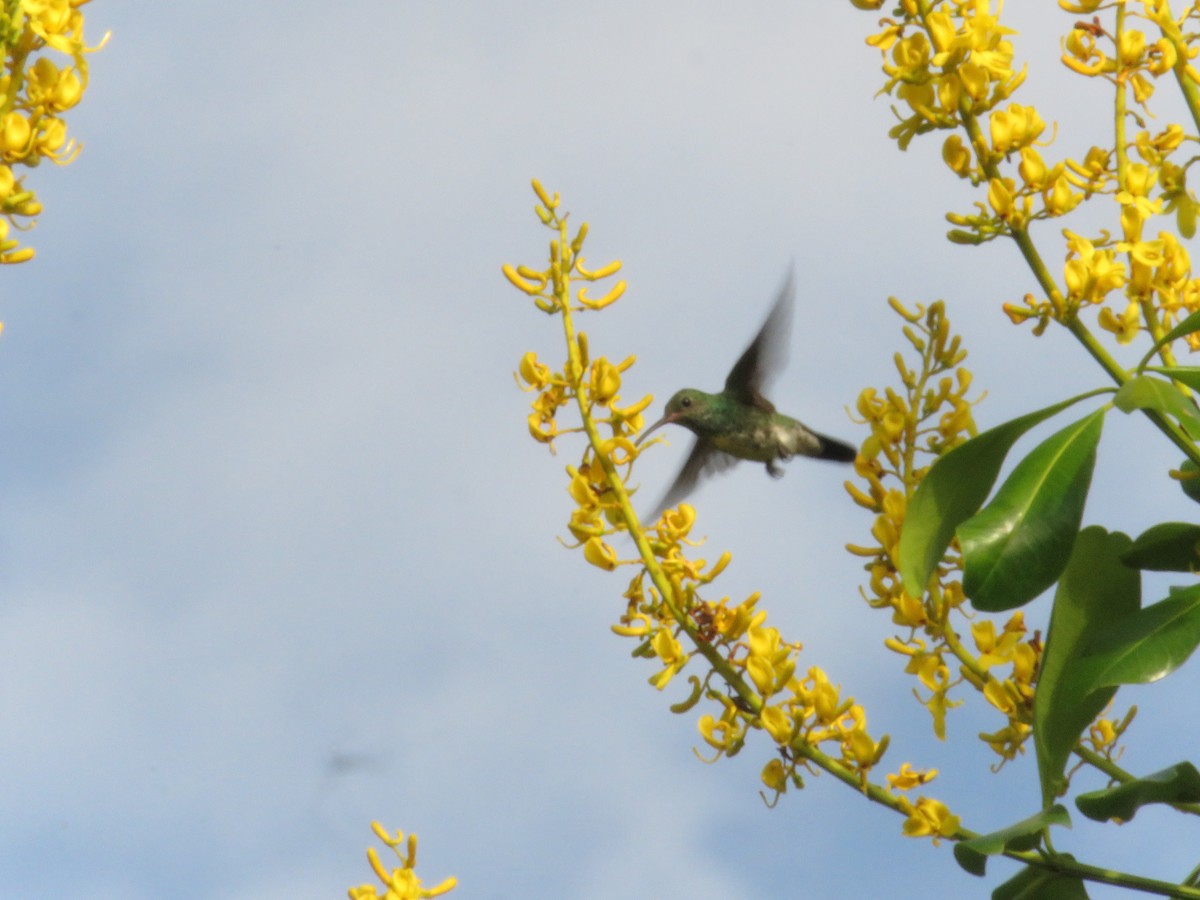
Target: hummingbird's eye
(685, 402)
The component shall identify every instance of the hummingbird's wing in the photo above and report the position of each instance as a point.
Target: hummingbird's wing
(704, 460)
(767, 353)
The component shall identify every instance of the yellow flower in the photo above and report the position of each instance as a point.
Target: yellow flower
(997, 650)
(974, 80)
(670, 651)
(1080, 54)
(908, 778)
(529, 282)
(778, 724)
(956, 155)
(1103, 734)
(1000, 196)
(775, 776)
(859, 748)
(676, 524)
(912, 53)
(606, 380)
(1014, 128)
(731, 624)
(15, 136)
(586, 524)
(1032, 168)
(611, 297)
(532, 372)
(1091, 274)
(1126, 326)
(1008, 741)
(401, 883)
(542, 430)
(930, 818)
(1058, 197)
(999, 695)
(629, 419)
(825, 700)
(599, 554)
(1162, 57)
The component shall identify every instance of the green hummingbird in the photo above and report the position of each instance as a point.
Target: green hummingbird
(739, 422)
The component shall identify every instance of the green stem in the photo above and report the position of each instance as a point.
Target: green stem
(1071, 868)
(1187, 85)
(873, 792)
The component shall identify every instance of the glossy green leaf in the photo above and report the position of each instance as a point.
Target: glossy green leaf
(953, 491)
(1178, 784)
(1024, 835)
(1187, 326)
(1036, 883)
(1144, 646)
(1189, 375)
(1167, 547)
(1145, 392)
(1094, 590)
(1018, 545)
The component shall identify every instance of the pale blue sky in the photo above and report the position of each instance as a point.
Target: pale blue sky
(269, 501)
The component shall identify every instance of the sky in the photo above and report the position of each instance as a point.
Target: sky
(278, 555)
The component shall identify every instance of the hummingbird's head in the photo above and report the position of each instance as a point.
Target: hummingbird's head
(685, 408)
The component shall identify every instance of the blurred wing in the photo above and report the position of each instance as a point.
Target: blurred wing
(767, 353)
(703, 461)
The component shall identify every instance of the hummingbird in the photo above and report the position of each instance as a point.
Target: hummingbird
(739, 422)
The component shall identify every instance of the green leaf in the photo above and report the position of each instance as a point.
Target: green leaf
(1189, 375)
(1144, 646)
(1024, 835)
(970, 860)
(1187, 326)
(1036, 883)
(1095, 589)
(1178, 784)
(953, 491)
(1144, 392)
(1018, 545)
(1166, 547)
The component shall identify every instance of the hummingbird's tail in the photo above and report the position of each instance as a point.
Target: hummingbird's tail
(835, 450)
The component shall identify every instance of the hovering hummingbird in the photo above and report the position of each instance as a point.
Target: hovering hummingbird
(739, 422)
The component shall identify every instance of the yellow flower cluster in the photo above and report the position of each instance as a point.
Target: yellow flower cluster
(1013, 695)
(34, 93)
(750, 671)
(1152, 273)
(910, 427)
(944, 60)
(401, 883)
(1133, 57)
(951, 63)
(799, 713)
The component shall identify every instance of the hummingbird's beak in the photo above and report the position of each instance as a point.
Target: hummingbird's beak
(665, 420)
